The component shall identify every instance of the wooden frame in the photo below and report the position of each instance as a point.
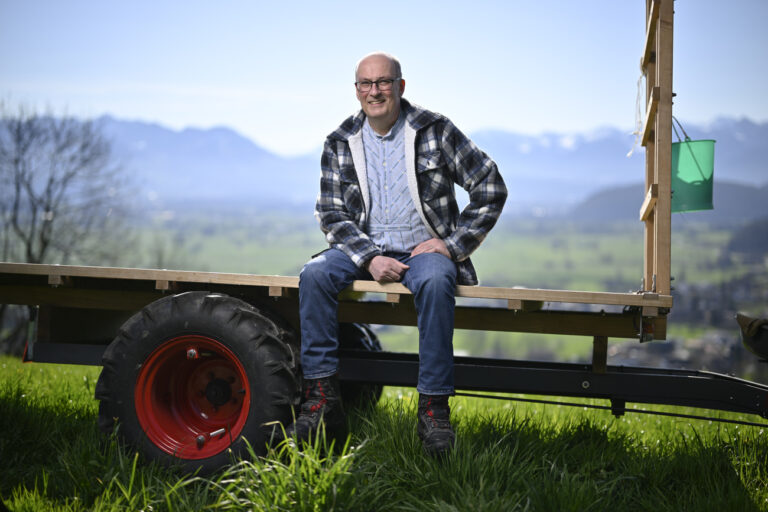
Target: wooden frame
(656, 211)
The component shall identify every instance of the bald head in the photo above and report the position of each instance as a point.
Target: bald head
(379, 86)
(394, 63)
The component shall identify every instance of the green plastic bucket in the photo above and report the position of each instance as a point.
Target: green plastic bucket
(693, 164)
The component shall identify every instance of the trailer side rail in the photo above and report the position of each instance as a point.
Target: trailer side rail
(57, 275)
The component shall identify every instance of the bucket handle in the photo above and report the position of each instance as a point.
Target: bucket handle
(687, 139)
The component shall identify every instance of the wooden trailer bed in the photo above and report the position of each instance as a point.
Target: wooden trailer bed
(71, 297)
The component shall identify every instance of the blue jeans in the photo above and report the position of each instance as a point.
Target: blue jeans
(432, 280)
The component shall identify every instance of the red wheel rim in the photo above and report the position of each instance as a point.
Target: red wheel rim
(192, 397)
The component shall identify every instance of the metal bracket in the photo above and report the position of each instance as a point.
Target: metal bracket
(618, 407)
(646, 329)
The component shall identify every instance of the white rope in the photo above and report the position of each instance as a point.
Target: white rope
(638, 133)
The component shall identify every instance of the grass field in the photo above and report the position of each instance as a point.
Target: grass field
(518, 252)
(509, 456)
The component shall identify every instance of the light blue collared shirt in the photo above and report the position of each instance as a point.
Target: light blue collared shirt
(394, 225)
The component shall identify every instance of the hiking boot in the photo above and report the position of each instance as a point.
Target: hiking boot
(434, 426)
(321, 406)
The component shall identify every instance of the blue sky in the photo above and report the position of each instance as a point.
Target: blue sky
(281, 73)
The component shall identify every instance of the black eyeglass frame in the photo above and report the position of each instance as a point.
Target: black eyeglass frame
(378, 84)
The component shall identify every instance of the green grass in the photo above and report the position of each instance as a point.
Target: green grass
(509, 456)
(561, 256)
(509, 345)
(534, 254)
(278, 245)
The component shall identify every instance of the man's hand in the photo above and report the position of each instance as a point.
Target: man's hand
(432, 245)
(385, 269)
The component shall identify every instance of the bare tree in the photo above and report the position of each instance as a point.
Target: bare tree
(61, 194)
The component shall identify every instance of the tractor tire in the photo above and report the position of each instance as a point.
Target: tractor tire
(191, 377)
(353, 336)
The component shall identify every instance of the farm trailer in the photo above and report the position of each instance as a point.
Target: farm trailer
(194, 363)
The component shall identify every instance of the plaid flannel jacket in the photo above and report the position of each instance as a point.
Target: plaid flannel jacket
(443, 156)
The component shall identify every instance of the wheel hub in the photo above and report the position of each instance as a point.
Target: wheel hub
(218, 392)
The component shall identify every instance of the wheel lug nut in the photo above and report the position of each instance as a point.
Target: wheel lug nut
(192, 353)
(200, 440)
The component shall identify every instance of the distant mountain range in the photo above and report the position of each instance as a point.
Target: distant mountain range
(212, 164)
(548, 174)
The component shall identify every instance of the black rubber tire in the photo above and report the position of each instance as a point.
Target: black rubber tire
(353, 336)
(264, 350)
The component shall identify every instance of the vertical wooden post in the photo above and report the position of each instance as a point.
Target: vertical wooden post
(650, 152)
(663, 149)
(657, 66)
(600, 354)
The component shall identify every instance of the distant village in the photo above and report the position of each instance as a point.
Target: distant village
(709, 309)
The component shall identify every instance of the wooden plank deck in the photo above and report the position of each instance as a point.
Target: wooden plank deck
(58, 274)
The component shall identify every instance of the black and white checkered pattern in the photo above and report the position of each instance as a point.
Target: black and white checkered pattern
(444, 156)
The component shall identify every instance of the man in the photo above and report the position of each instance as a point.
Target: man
(388, 211)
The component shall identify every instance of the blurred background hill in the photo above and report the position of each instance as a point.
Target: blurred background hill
(586, 176)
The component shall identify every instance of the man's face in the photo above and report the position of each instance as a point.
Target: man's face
(382, 106)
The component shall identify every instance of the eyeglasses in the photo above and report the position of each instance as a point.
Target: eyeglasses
(384, 84)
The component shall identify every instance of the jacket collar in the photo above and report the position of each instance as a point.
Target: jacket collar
(416, 116)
